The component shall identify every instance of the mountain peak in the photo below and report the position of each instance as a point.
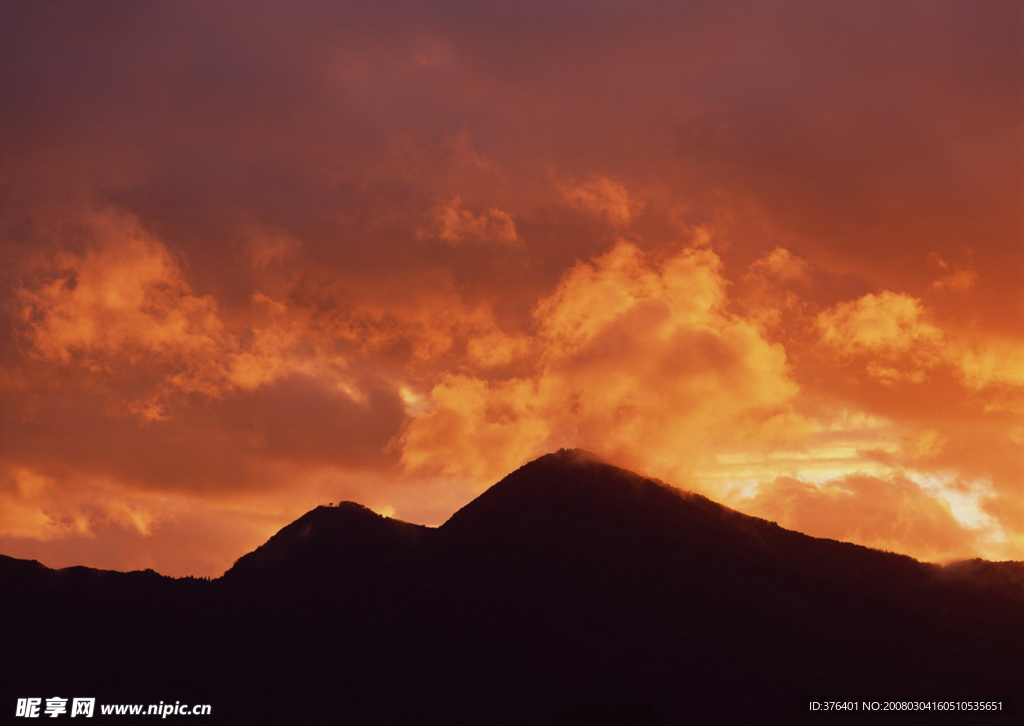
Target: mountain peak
(574, 485)
(335, 537)
(574, 498)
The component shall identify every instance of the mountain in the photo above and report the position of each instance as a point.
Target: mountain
(329, 545)
(571, 592)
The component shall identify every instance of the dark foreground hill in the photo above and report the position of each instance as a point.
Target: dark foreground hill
(572, 592)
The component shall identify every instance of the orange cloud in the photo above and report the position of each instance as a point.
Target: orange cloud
(69, 521)
(997, 362)
(767, 291)
(497, 348)
(20, 491)
(122, 308)
(124, 295)
(604, 198)
(957, 277)
(896, 338)
(892, 513)
(638, 359)
(885, 324)
(457, 225)
(781, 264)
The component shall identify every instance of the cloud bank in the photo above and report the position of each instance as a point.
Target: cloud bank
(773, 253)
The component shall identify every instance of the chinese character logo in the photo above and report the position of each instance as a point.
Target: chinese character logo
(83, 707)
(28, 707)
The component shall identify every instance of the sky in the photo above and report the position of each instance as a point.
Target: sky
(259, 256)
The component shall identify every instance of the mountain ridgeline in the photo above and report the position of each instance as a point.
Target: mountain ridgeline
(571, 592)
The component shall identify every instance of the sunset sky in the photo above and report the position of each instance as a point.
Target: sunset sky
(259, 256)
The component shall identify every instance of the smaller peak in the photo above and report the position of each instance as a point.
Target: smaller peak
(334, 535)
(326, 517)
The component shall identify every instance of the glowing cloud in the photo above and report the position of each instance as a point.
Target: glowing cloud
(124, 295)
(638, 359)
(603, 198)
(456, 225)
(892, 513)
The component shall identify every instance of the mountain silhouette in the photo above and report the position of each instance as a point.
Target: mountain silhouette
(331, 542)
(571, 592)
